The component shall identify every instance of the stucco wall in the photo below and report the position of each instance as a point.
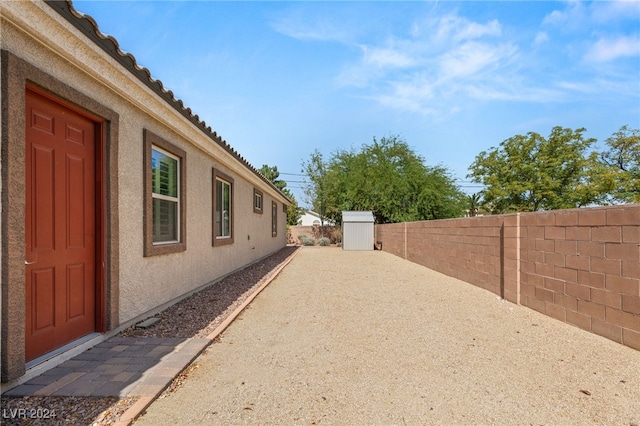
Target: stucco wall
(148, 282)
(78, 73)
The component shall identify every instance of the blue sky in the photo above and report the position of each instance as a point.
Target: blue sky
(278, 80)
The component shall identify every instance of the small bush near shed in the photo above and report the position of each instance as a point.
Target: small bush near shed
(324, 241)
(336, 235)
(307, 241)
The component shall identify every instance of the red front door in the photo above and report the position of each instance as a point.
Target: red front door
(60, 225)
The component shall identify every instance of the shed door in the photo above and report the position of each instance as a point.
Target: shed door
(60, 225)
(357, 236)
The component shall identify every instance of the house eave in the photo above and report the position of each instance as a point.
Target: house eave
(109, 45)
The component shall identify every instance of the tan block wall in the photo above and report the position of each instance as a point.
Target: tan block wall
(310, 231)
(581, 266)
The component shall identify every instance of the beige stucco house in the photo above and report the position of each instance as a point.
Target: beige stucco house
(116, 199)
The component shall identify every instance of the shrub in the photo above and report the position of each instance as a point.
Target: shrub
(307, 241)
(336, 235)
(324, 241)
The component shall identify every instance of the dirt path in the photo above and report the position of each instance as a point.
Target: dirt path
(368, 338)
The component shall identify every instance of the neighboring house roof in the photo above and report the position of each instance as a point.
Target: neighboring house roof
(310, 218)
(352, 216)
(89, 27)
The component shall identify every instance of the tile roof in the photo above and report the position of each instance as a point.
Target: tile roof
(88, 26)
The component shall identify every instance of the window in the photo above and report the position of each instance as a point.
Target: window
(222, 208)
(257, 201)
(274, 219)
(164, 213)
(165, 196)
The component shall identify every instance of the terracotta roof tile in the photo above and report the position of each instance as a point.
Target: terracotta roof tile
(87, 25)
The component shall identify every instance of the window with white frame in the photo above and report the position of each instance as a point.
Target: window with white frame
(165, 193)
(165, 182)
(223, 208)
(257, 201)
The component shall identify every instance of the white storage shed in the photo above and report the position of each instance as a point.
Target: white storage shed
(357, 230)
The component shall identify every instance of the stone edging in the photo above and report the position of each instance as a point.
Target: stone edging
(144, 402)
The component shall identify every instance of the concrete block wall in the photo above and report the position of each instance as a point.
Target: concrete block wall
(580, 266)
(311, 231)
(393, 238)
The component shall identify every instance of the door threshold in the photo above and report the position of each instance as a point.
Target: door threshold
(61, 350)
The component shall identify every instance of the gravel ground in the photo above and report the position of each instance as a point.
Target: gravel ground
(63, 410)
(368, 338)
(195, 316)
(200, 314)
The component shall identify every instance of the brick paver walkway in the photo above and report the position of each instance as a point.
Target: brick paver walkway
(120, 366)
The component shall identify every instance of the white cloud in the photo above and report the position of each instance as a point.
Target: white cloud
(609, 49)
(471, 58)
(450, 44)
(508, 91)
(555, 17)
(607, 11)
(419, 88)
(541, 37)
(473, 30)
(572, 16)
(453, 28)
(299, 26)
(577, 86)
(598, 86)
(578, 16)
(386, 57)
(358, 76)
(443, 62)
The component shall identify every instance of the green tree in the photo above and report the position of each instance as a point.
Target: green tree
(293, 210)
(474, 203)
(530, 173)
(316, 189)
(272, 173)
(387, 178)
(622, 165)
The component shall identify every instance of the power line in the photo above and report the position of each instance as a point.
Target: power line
(461, 183)
(292, 174)
(303, 174)
(464, 185)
